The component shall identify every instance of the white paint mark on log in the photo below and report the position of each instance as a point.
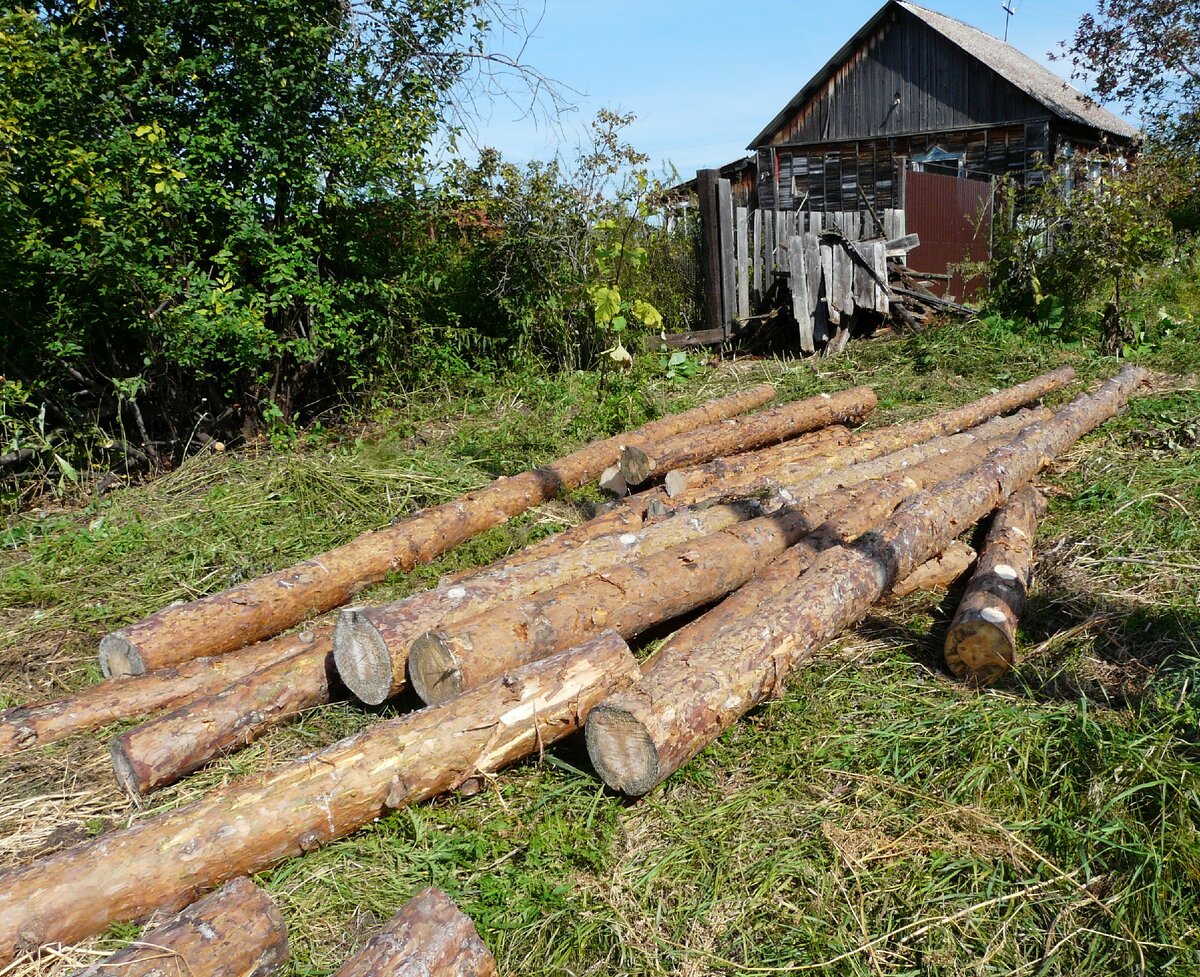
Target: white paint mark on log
(993, 615)
(1005, 572)
(456, 593)
(628, 539)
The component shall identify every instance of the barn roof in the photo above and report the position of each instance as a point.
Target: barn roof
(1037, 81)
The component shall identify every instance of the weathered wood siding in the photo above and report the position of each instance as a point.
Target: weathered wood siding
(940, 88)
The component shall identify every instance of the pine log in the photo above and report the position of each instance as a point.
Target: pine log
(634, 597)
(981, 644)
(642, 462)
(872, 444)
(164, 862)
(234, 932)
(371, 644)
(938, 574)
(429, 937)
(723, 471)
(137, 695)
(265, 606)
(639, 737)
(167, 749)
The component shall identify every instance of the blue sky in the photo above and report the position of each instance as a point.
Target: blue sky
(703, 76)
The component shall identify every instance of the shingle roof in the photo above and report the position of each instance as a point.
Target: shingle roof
(1037, 81)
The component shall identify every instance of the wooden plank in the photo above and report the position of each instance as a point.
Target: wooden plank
(742, 223)
(833, 311)
(822, 329)
(843, 283)
(812, 267)
(882, 295)
(702, 337)
(756, 251)
(864, 284)
(728, 285)
(850, 224)
(899, 246)
(816, 222)
(768, 248)
(799, 286)
(710, 246)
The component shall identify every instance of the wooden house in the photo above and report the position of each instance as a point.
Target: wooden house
(915, 89)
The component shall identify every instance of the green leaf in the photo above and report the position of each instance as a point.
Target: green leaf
(647, 314)
(606, 302)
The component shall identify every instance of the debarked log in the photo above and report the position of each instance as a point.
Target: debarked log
(236, 931)
(165, 862)
(640, 463)
(263, 607)
(981, 644)
(639, 737)
(429, 937)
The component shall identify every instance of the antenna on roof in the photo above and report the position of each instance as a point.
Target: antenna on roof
(1007, 7)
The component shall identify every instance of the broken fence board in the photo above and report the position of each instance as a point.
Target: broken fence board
(742, 222)
(799, 286)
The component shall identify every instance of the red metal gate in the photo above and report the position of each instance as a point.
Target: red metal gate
(953, 218)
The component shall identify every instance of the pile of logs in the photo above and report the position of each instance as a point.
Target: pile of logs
(788, 523)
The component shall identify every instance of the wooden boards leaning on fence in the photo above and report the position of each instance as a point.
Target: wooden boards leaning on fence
(267, 605)
(429, 937)
(640, 463)
(638, 737)
(164, 862)
(234, 932)
(981, 644)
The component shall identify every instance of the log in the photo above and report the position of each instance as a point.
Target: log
(638, 737)
(236, 931)
(740, 434)
(131, 696)
(629, 599)
(265, 606)
(873, 444)
(167, 749)
(714, 474)
(938, 574)
(981, 644)
(165, 861)
(371, 644)
(429, 937)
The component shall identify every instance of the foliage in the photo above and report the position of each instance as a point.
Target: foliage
(1080, 238)
(1144, 54)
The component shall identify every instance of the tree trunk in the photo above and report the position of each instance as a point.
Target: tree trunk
(234, 932)
(938, 574)
(982, 642)
(164, 862)
(429, 937)
(371, 644)
(138, 695)
(642, 462)
(639, 737)
(872, 444)
(170, 747)
(716, 474)
(637, 596)
(267, 605)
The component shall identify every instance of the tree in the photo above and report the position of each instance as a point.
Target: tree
(1145, 55)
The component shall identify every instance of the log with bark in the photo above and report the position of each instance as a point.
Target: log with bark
(634, 597)
(642, 462)
(639, 737)
(163, 863)
(234, 932)
(371, 643)
(429, 937)
(981, 644)
(139, 695)
(872, 444)
(267, 605)
(939, 573)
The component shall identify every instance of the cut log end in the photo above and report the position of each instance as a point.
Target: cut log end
(636, 465)
(362, 659)
(979, 652)
(118, 656)
(675, 483)
(621, 750)
(433, 670)
(124, 770)
(611, 480)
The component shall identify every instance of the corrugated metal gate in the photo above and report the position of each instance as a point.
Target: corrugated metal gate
(953, 217)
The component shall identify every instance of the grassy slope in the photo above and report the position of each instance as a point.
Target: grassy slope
(877, 819)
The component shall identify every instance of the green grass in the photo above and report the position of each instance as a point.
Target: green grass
(878, 819)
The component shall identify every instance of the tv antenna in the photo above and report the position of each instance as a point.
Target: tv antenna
(1009, 10)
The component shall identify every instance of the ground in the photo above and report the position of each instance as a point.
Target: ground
(878, 819)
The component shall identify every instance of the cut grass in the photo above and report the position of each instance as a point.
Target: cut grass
(878, 819)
